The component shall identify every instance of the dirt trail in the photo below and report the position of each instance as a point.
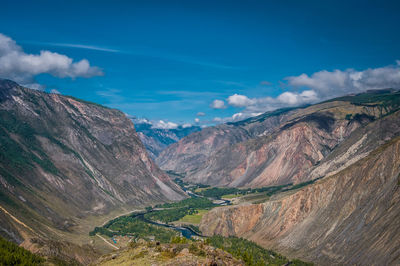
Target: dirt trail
(15, 218)
(105, 240)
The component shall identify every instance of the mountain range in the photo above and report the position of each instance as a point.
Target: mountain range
(157, 139)
(275, 148)
(64, 161)
(67, 166)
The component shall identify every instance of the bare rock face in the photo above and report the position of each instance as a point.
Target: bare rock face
(62, 159)
(194, 150)
(349, 217)
(276, 148)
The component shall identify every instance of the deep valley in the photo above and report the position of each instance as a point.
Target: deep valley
(317, 184)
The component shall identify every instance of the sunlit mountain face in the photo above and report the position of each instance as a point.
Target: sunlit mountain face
(199, 132)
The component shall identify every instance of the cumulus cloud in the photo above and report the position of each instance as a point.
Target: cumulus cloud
(256, 106)
(327, 84)
(218, 104)
(238, 100)
(196, 120)
(317, 87)
(141, 120)
(161, 124)
(22, 67)
(201, 114)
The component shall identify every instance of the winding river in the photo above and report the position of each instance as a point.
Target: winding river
(185, 231)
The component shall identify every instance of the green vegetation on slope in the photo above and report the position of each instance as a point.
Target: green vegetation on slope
(135, 227)
(194, 203)
(21, 157)
(218, 192)
(384, 98)
(251, 253)
(12, 254)
(177, 210)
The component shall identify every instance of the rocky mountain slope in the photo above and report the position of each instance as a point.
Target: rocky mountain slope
(157, 139)
(349, 217)
(275, 148)
(63, 160)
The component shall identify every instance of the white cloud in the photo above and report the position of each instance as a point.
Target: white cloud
(164, 125)
(142, 121)
(238, 116)
(17, 65)
(80, 46)
(196, 120)
(238, 100)
(54, 91)
(201, 114)
(293, 98)
(317, 87)
(257, 106)
(217, 119)
(328, 84)
(218, 104)
(186, 125)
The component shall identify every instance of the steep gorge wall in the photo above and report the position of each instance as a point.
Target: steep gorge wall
(280, 148)
(63, 159)
(351, 217)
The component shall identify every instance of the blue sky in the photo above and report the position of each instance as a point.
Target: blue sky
(169, 60)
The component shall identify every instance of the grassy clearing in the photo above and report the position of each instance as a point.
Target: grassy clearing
(230, 196)
(200, 189)
(193, 218)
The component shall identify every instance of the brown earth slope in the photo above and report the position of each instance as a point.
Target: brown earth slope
(350, 217)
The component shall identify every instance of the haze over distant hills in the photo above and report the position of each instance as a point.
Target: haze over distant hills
(157, 139)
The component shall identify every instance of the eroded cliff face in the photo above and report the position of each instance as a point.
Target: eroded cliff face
(194, 150)
(276, 148)
(63, 159)
(349, 217)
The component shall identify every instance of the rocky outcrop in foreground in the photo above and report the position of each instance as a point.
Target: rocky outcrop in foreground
(150, 253)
